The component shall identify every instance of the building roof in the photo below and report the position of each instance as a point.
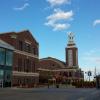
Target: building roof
(6, 45)
(27, 31)
(18, 33)
(62, 63)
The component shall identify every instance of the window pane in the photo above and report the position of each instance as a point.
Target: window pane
(1, 74)
(20, 45)
(70, 57)
(8, 75)
(9, 58)
(2, 56)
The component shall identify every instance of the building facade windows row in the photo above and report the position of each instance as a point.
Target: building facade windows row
(25, 58)
(23, 46)
(25, 81)
(6, 57)
(6, 63)
(26, 65)
(9, 58)
(2, 56)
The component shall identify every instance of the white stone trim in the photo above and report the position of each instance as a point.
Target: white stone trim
(16, 73)
(71, 46)
(75, 78)
(25, 53)
(59, 70)
(28, 42)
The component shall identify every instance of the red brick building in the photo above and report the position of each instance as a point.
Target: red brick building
(26, 57)
(28, 69)
(51, 67)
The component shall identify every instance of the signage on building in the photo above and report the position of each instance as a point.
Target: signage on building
(89, 73)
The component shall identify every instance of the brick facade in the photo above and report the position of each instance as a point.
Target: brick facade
(50, 68)
(50, 63)
(28, 69)
(26, 57)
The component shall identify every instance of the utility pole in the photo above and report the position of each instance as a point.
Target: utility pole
(95, 72)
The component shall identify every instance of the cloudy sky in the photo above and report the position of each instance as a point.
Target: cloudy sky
(51, 20)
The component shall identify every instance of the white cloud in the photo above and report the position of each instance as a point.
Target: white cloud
(22, 7)
(54, 19)
(60, 15)
(58, 2)
(96, 22)
(61, 26)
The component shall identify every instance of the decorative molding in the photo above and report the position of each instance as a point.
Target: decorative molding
(28, 42)
(25, 53)
(71, 46)
(16, 73)
(59, 70)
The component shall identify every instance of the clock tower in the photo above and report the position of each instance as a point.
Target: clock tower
(71, 52)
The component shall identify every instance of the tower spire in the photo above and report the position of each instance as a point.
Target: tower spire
(71, 41)
(71, 38)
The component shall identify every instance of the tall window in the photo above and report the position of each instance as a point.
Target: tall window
(1, 74)
(70, 58)
(24, 65)
(70, 74)
(8, 74)
(33, 66)
(35, 51)
(27, 65)
(2, 56)
(28, 47)
(19, 64)
(9, 58)
(20, 45)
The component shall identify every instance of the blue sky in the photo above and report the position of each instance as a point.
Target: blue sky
(51, 20)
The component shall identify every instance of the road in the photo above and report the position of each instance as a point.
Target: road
(50, 94)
